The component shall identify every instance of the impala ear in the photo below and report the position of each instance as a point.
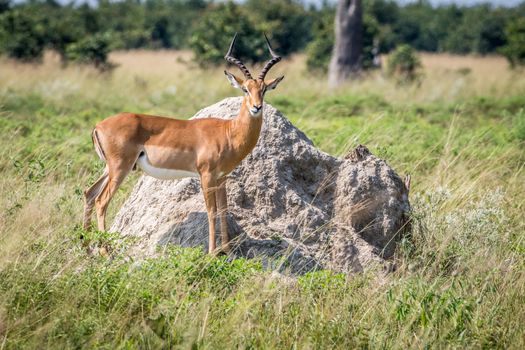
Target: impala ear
(272, 84)
(236, 82)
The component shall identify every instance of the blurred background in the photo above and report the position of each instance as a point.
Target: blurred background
(86, 31)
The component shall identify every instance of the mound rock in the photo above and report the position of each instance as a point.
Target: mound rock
(290, 204)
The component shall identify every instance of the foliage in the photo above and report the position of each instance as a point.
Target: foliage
(319, 50)
(404, 64)
(91, 50)
(215, 30)
(27, 28)
(22, 35)
(479, 30)
(514, 51)
(450, 28)
(285, 21)
(152, 24)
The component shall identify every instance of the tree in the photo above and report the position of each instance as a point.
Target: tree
(212, 35)
(404, 65)
(514, 51)
(5, 5)
(22, 35)
(320, 48)
(288, 23)
(92, 50)
(347, 55)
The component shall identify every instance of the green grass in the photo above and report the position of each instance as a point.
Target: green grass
(460, 273)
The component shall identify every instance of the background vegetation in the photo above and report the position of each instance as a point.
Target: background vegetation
(205, 26)
(460, 275)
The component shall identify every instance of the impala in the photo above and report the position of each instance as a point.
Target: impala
(167, 148)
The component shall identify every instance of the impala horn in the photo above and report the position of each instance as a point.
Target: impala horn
(235, 61)
(275, 58)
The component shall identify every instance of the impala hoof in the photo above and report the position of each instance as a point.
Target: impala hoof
(222, 250)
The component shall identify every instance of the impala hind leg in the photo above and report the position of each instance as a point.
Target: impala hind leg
(91, 194)
(208, 189)
(115, 179)
(222, 205)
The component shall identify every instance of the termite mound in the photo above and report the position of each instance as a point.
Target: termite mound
(290, 204)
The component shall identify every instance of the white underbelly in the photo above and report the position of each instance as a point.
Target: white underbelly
(162, 173)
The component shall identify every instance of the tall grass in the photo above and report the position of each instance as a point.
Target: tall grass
(459, 280)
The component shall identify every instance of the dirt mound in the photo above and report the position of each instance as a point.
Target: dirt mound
(290, 204)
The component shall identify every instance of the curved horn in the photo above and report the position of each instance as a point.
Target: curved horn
(235, 61)
(275, 58)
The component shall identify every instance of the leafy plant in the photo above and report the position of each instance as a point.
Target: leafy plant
(319, 51)
(404, 65)
(22, 35)
(514, 50)
(215, 30)
(92, 50)
(286, 21)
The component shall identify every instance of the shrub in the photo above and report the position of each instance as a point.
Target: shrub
(514, 51)
(22, 35)
(92, 50)
(319, 51)
(286, 23)
(404, 64)
(211, 37)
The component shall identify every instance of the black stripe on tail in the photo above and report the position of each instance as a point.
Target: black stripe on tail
(96, 143)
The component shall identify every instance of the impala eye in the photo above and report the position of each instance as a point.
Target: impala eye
(245, 90)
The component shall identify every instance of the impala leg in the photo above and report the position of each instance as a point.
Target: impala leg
(115, 179)
(208, 189)
(222, 205)
(90, 195)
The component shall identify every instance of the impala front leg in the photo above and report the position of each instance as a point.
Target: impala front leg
(209, 189)
(222, 204)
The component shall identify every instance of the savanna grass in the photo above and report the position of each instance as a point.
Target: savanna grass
(460, 272)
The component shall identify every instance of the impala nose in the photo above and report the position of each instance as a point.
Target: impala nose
(255, 109)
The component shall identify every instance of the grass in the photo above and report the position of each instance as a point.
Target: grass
(460, 278)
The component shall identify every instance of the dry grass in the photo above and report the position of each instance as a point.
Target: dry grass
(142, 76)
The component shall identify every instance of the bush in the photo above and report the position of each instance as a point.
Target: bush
(92, 50)
(22, 35)
(286, 21)
(514, 51)
(319, 51)
(404, 64)
(212, 36)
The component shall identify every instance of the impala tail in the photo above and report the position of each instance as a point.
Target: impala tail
(98, 148)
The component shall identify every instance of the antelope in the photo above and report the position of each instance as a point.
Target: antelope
(167, 148)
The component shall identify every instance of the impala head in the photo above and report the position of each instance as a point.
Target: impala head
(254, 89)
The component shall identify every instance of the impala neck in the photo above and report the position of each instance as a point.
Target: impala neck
(245, 128)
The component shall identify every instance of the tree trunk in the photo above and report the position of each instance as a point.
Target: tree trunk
(347, 54)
